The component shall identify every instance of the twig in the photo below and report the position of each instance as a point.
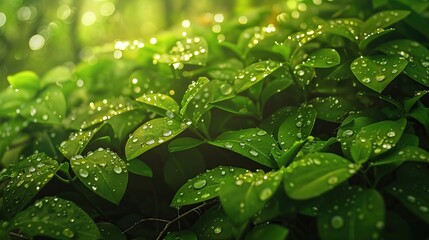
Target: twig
(145, 220)
(18, 235)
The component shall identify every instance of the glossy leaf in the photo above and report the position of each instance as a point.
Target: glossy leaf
(8, 131)
(49, 106)
(77, 142)
(139, 168)
(152, 134)
(366, 39)
(23, 180)
(24, 80)
(192, 90)
(315, 174)
(55, 218)
(332, 108)
(376, 72)
(184, 143)
(110, 232)
(248, 194)
(361, 151)
(407, 153)
(164, 102)
(269, 231)
(275, 86)
(100, 111)
(57, 75)
(253, 74)
(239, 105)
(187, 51)
(416, 53)
(349, 28)
(352, 213)
(297, 125)
(322, 58)
(303, 75)
(103, 172)
(410, 102)
(421, 114)
(183, 235)
(253, 143)
(383, 19)
(214, 224)
(383, 135)
(285, 157)
(205, 186)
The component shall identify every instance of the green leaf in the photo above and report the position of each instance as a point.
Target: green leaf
(214, 224)
(110, 232)
(55, 218)
(315, 174)
(297, 125)
(77, 142)
(248, 194)
(8, 131)
(152, 134)
(187, 51)
(139, 168)
(369, 38)
(192, 90)
(407, 153)
(253, 74)
(23, 180)
(205, 186)
(361, 151)
(253, 143)
(332, 108)
(275, 86)
(103, 172)
(101, 111)
(24, 80)
(285, 157)
(410, 102)
(49, 107)
(268, 231)
(184, 143)
(352, 213)
(133, 119)
(225, 70)
(11, 100)
(411, 190)
(177, 169)
(57, 75)
(182, 235)
(164, 102)
(416, 53)
(349, 28)
(383, 135)
(303, 75)
(322, 58)
(383, 19)
(421, 114)
(376, 72)
(239, 105)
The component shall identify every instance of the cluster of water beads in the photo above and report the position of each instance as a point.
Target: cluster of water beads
(96, 165)
(190, 50)
(255, 72)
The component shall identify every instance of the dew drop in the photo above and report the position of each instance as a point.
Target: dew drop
(253, 152)
(67, 232)
(424, 209)
(265, 194)
(225, 89)
(229, 145)
(333, 180)
(347, 133)
(380, 78)
(117, 169)
(391, 134)
(83, 173)
(261, 132)
(200, 184)
(217, 230)
(337, 222)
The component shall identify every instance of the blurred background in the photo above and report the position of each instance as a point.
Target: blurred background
(39, 34)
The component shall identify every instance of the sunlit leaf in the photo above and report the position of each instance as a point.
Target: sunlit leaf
(23, 180)
(253, 74)
(205, 186)
(192, 90)
(376, 72)
(55, 218)
(164, 102)
(214, 224)
(183, 143)
(383, 19)
(152, 134)
(187, 51)
(322, 58)
(103, 172)
(253, 143)
(244, 197)
(139, 168)
(366, 39)
(315, 174)
(239, 105)
(24, 80)
(352, 213)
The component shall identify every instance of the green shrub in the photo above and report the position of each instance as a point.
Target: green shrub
(269, 127)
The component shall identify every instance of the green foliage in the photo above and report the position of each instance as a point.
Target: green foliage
(307, 122)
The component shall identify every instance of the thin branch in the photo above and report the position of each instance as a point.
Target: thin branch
(145, 220)
(18, 235)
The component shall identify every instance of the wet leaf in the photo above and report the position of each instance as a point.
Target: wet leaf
(383, 19)
(303, 75)
(410, 102)
(187, 51)
(416, 53)
(239, 105)
(110, 232)
(407, 153)
(205, 186)
(253, 74)
(183, 235)
(315, 174)
(152, 134)
(376, 72)
(55, 218)
(23, 180)
(8, 131)
(383, 135)
(184, 143)
(164, 102)
(275, 86)
(57, 75)
(352, 213)
(103, 172)
(361, 151)
(214, 224)
(296, 126)
(192, 90)
(322, 58)
(285, 157)
(248, 194)
(332, 108)
(253, 143)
